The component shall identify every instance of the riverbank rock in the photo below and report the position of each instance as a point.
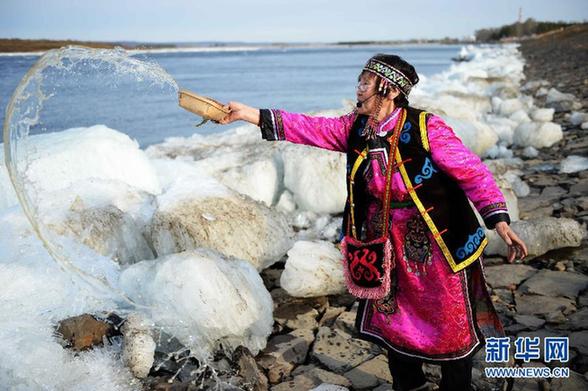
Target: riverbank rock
(84, 331)
(338, 351)
(540, 235)
(555, 283)
(507, 275)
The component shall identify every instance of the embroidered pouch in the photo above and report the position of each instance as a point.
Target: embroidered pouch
(367, 266)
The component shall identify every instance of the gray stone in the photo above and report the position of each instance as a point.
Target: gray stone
(299, 383)
(271, 277)
(583, 299)
(329, 387)
(296, 316)
(515, 328)
(582, 202)
(370, 373)
(504, 295)
(542, 305)
(318, 376)
(346, 322)
(507, 275)
(534, 207)
(579, 341)
(556, 317)
(306, 334)
(579, 189)
(576, 382)
(330, 316)
(288, 348)
(529, 321)
(338, 352)
(540, 235)
(555, 283)
(384, 387)
(553, 192)
(249, 370)
(283, 351)
(522, 384)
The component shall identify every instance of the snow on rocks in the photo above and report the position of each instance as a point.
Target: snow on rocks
(204, 299)
(198, 211)
(313, 269)
(540, 235)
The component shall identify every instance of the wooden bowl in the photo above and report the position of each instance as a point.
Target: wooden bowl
(203, 106)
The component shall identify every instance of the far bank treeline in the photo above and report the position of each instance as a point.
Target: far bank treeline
(10, 45)
(519, 30)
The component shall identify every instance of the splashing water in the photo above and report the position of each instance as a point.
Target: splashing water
(65, 71)
(90, 193)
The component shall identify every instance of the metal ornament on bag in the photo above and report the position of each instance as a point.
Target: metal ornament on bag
(368, 266)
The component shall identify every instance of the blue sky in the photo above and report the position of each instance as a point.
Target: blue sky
(269, 20)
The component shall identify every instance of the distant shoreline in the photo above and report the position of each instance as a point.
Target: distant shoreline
(37, 46)
(11, 45)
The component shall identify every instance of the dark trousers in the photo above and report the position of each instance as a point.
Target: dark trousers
(456, 375)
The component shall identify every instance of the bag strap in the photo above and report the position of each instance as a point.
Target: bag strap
(393, 140)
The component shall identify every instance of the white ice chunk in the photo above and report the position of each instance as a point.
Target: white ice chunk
(537, 135)
(542, 115)
(204, 300)
(520, 116)
(573, 163)
(510, 106)
(554, 95)
(530, 152)
(198, 211)
(57, 160)
(316, 178)
(313, 269)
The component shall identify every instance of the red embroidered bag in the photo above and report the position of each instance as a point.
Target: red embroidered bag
(367, 266)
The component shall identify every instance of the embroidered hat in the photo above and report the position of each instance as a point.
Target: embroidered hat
(393, 69)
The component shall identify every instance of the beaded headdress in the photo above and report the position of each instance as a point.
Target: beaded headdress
(390, 74)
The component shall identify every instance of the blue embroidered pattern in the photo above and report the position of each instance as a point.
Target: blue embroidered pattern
(472, 244)
(405, 135)
(426, 172)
